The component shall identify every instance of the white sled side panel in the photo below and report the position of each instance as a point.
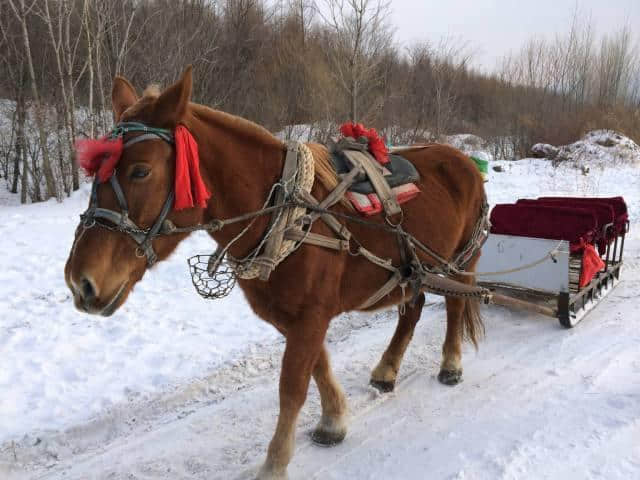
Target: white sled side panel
(505, 252)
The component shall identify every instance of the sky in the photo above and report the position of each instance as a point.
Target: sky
(492, 28)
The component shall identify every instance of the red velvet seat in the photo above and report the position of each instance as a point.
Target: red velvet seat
(576, 225)
(617, 203)
(605, 213)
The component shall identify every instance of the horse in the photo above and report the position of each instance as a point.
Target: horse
(239, 163)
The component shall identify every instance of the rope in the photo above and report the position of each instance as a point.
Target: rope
(551, 254)
(249, 267)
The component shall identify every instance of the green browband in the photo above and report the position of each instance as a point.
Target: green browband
(124, 127)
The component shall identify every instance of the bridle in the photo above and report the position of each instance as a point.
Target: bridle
(120, 221)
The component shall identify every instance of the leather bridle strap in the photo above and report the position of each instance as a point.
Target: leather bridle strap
(120, 220)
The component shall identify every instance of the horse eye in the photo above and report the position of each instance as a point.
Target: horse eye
(139, 172)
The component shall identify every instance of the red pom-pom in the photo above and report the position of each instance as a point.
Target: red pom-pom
(377, 148)
(98, 157)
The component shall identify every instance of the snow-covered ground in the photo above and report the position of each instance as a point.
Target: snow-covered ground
(598, 147)
(173, 386)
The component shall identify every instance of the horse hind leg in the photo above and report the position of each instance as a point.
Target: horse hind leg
(463, 319)
(383, 377)
(332, 427)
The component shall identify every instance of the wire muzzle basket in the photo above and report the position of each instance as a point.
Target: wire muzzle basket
(212, 275)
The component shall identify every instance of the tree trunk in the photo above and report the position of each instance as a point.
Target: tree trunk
(35, 174)
(24, 185)
(354, 101)
(71, 102)
(52, 191)
(87, 26)
(19, 145)
(61, 133)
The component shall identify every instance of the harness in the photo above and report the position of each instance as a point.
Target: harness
(293, 209)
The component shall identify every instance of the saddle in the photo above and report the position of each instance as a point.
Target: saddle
(377, 186)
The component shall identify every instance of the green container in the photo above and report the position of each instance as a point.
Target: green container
(481, 160)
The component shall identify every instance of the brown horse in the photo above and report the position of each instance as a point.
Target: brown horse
(240, 161)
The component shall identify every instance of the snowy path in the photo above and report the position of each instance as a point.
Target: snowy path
(538, 402)
(149, 394)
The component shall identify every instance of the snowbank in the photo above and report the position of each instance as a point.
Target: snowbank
(598, 147)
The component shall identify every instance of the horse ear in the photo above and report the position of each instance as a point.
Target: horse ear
(172, 103)
(123, 95)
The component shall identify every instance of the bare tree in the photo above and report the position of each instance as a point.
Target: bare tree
(360, 33)
(617, 64)
(65, 52)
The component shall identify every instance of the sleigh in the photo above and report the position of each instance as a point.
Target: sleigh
(555, 256)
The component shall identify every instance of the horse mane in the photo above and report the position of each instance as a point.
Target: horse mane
(325, 172)
(255, 133)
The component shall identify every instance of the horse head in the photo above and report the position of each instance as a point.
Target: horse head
(135, 196)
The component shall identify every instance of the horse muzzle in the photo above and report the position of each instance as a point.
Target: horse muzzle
(87, 297)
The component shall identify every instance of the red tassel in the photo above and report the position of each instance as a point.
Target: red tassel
(377, 148)
(98, 157)
(190, 190)
(591, 264)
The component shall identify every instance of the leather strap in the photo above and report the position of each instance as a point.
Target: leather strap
(383, 291)
(367, 163)
(336, 195)
(274, 242)
(332, 222)
(317, 240)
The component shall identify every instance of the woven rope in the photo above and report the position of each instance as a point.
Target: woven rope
(305, 176)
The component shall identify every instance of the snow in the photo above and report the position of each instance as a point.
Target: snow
(595, 148)
(66, 366)
(161, 392)
(466, 142)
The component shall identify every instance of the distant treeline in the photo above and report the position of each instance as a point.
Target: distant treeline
(292, 62)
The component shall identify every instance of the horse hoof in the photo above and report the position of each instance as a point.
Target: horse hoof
(450, 377)
(382, 386)
(328, 438)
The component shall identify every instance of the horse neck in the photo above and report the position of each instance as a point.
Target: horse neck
(240, 168)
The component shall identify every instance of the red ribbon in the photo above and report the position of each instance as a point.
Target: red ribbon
(591, 264)
(189, 187)
(100, 157)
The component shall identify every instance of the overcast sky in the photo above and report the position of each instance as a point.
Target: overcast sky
(494, 27)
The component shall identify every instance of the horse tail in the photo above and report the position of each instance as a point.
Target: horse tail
(472, 324)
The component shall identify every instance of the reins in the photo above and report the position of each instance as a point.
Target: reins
(287, 232)
(446, 267)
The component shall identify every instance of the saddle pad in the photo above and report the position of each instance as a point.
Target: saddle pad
(399, 171)
(371, 205)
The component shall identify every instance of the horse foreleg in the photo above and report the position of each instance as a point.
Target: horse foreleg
(304, 346)
(383, 377)
(332, 427)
